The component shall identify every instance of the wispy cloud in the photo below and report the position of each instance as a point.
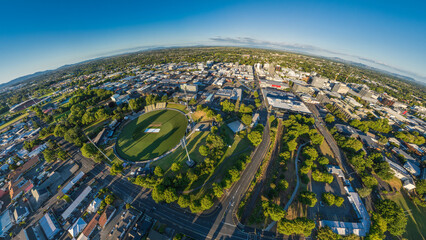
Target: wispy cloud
(301, 48)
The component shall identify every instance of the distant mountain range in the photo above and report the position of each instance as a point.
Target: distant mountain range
(362, 65)
(136, 50)
(25, 78)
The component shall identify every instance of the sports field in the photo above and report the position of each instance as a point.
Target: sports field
(151, 135)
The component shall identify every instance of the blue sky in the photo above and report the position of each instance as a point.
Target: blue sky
(49, 34)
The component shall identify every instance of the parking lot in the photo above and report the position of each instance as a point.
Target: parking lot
(325, 212)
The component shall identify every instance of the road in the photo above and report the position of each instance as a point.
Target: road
(338, 153)
(219, 223)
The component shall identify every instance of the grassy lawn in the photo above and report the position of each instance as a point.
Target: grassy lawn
(231, 155)
(416, 217)
(13, 121)
(200, 116)
(178, 107)
(111, 155)
(64, 114)
(135, 145)
(326, 151)
(196, 140)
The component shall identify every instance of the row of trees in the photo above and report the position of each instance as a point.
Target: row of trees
(410, 137)
(378, 125)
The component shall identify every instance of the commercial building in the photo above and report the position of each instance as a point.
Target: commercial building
(72, 182)
(302, 89)
(20, 213)
(285, 101)
(273, 84)
(340, 88)
(6, 222)
(76, 202)
(106, 216)
(49, 225)
(318, 82)
(94, 205)
(192, 88)
(365, 92)
(412, 167)
(402, 174)
(77, 227)
(362, 226)
(387, 101)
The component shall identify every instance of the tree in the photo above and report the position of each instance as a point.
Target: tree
(421, 187)
(217, 190)
(393, 215)
(323, 160)
(60, 130)
(322, 176)
(274, 211)
(219, 118)
(310, 153)
(246, 119)
(255, 137)
(364, 192)
(328, 198)
(291, 145)
(128, 206)
(316, 139)
(325, 233)
(175, 167)
(246, 109)
(169, 195)
(214, 142)
(301, 226)
(369, 181)
(329, 118)
(88, 150)
(206, 202)
(62, 155)
(109, 199)
(338, 201)
(308, 198)
(158, 171)
(227, 106)
(116, 168)
(204, 150)
(282, 184)
(49, 155)
(184, 201)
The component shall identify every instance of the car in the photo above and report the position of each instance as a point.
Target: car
(321, 203)
(112, 231)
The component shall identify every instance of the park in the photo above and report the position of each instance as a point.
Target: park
(151, 135)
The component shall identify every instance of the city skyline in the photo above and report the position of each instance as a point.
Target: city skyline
(385, 35)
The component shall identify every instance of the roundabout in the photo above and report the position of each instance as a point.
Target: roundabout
(151, 135)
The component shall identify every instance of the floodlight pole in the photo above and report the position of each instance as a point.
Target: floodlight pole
(130, 106)
(184, 146)
(98, 148)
